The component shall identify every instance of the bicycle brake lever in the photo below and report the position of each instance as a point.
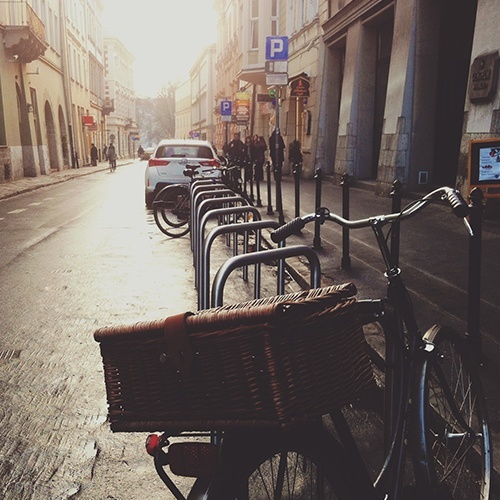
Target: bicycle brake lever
(468, 227)
(322, 213)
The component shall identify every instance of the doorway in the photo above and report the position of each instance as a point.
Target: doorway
(456, 31)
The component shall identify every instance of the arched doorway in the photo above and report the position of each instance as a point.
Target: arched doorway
(64, 138)
(51, 138)
(29, 168)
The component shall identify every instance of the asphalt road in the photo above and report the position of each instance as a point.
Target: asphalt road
(75, 257)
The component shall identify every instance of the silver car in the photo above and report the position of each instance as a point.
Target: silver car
(168, 162)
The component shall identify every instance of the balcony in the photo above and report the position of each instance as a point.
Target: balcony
(109, 106)
(23, 33)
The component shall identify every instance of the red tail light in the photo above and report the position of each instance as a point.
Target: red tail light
(210, 163)
(157, 162)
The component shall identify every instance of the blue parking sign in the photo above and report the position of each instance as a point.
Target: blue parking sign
(276, 48)
(226, 108)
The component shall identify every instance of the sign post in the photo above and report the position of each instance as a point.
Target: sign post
(299, 89)
(277, 74)
(226, 112)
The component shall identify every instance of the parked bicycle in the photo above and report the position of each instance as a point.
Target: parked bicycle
(434, 408)
(435, 404)
(172, 204)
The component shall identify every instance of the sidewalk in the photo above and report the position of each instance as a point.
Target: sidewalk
(433, 256)
(13, 188)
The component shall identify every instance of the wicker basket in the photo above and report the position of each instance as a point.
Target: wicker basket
(269, 362)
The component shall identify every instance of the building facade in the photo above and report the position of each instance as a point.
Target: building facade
(119, 98)
(183, 110)
(389, 84)
(53, 104)
(202, 84)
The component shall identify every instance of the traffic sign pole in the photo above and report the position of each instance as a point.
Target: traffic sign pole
(277, 74)
(278, 166)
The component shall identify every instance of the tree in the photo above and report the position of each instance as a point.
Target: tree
(156, 116)
(164, 112)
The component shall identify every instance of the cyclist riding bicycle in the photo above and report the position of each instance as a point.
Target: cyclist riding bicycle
(112, 156)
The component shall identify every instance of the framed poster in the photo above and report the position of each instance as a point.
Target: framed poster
(484, 166)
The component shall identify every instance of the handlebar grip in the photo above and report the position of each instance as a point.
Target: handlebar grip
(457, 203)
(283, 232)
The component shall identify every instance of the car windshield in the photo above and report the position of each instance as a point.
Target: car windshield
(182, 151)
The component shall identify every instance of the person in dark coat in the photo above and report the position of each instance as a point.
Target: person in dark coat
(93, 154)
(277, 162)
(294, 153)
(258, 152)
(236, 150)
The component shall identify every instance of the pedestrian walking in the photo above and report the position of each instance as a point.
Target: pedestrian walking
(236, 149)
(140, 152)
(93, 154)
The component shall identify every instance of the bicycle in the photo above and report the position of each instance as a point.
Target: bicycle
(172, 204)
(112, 163)
(434, 411)
(439, 406)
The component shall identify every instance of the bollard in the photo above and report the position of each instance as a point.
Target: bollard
(317, 225)
(279, 197)
(473, 335)
(345, 261)
(269, 205)
(257, 188)
(396, 195)
(250, 180)
(297, 168)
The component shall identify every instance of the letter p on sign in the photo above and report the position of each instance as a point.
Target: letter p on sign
(276, 48)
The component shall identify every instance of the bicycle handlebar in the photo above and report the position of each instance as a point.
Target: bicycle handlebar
(454, 198)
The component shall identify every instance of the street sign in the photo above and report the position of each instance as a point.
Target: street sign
(276, 66)
(226, 108)
(276, 48)
(277, 79)
(265, 97)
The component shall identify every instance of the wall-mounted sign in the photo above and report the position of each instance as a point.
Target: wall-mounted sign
(242, 105)
(483, 78)
(484, 166)
(88, 120)
(265, 97)
(299, 87)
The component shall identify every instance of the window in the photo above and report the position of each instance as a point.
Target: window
(254, 25)
(274, 17)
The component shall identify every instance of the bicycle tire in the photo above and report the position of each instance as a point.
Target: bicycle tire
(303, 464)
(171, 210)
(455, 456)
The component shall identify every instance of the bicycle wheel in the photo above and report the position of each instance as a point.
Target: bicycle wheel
(171, 210)
(453, 423)
(304, 464)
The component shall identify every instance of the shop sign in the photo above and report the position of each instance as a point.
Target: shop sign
(299, 87)
(88, 120)
(483, 78)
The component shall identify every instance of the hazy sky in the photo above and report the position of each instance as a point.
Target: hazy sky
(165, 37)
